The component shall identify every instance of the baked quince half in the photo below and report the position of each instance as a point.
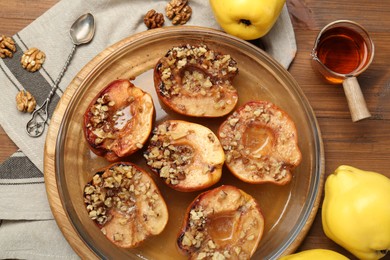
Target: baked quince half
(125, 203)
(222, 223)
(261, 143)
(196, 81)
(187, 156)
(118, 120)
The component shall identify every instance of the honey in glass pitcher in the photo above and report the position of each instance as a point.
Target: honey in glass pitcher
(342, 50)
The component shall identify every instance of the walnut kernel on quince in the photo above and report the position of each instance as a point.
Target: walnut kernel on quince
(7, 46)
(25, 102)
(32, 59)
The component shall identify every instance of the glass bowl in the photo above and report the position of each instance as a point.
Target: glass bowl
(288, 210)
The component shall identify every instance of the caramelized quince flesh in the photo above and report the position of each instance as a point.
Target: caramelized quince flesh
(187, 156)
(261, 144)
(224, 221)
(196, 81)
(119, 120)
(126, 205)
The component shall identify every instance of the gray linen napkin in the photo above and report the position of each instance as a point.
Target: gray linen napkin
(27, 228)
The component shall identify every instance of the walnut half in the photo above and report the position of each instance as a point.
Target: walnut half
(25, 102)
(153, 19)
(7, 47)
(178, 11)
(32, 59)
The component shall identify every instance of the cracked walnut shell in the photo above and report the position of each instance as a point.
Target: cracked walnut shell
(25, 102)
(152, 19)
(32, 59)
(178, 11)
(7, 47)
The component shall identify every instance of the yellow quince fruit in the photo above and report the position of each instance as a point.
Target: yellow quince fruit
(247, 19)
(356, 211)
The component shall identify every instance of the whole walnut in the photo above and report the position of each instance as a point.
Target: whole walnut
(152, 19)
(178, 11)
(7, 47)
(25, 102)
(32, 59)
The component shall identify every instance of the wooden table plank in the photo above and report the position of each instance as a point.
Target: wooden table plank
(363, 144)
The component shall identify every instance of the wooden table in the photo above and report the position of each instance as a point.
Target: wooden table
(365, 144)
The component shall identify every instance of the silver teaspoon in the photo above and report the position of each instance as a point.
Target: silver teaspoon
(81, 32)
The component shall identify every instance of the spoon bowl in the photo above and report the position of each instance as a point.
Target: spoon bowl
(83, 29)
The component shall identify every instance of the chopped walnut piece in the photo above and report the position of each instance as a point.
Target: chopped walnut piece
(32, 59)
(7, 47)
(178, 11)
(152, 19)
(25, 102)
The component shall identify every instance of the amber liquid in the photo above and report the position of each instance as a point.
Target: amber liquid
(342, 50)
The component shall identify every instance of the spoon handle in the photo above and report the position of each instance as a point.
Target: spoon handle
(57, 81)
(36, 125)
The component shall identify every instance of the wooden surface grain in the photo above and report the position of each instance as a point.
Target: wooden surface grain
(363, 144)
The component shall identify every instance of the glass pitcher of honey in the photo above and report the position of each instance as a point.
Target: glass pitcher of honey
(342, 51)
